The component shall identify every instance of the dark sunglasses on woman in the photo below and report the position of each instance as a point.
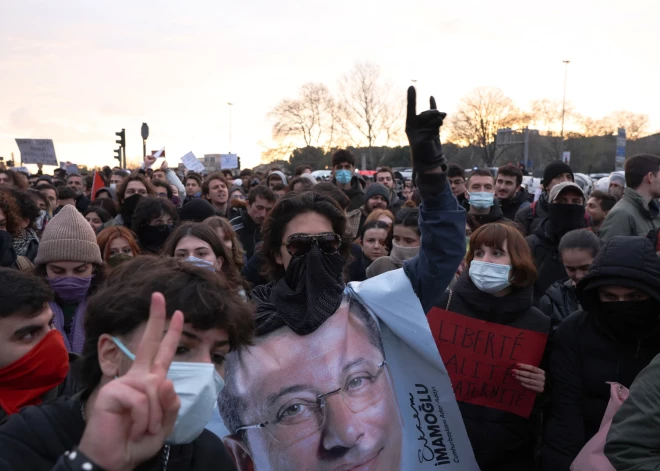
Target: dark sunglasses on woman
(301, 244)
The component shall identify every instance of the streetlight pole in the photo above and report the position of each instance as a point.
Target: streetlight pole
(563, 110)
(230, 105)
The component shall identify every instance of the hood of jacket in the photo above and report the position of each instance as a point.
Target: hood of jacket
(355, 189)
(624, 261)
(503, 309)
(112, 192)
(279, 174)
(519, 198)
(494, 215)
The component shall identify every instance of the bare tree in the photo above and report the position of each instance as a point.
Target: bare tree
(308, 119)
(635, 124)
(590, 127)
(480, 114)
(368, 111)
(546, 114)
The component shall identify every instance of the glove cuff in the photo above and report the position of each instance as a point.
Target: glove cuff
(428, 156)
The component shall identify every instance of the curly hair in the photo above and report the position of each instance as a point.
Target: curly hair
(12, 211)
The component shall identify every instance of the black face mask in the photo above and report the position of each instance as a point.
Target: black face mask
(631, 320)
(128, 208)
(310, 292)
(566, 217)
(153, 238)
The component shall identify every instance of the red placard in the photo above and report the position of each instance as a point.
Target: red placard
(479, 357)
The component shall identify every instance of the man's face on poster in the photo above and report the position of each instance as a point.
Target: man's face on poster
(327, 397)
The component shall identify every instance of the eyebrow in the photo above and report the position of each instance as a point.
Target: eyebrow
(26, 329)
(75, 268)
(191, 336)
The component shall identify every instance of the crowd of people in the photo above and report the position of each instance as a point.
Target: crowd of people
(93, 277)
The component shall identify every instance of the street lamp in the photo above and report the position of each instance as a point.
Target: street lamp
(230, 105)
(563, 109)
(144, 131)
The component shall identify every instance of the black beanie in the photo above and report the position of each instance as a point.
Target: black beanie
(377, 189)
(196, 210)
(556, 168)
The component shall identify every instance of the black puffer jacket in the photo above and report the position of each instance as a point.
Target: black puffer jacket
(559, 302)
(497, 437)
(475, 221)
(543, 244)
(587, 353)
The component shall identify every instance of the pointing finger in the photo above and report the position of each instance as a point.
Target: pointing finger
(412, 102)
(153, 334)
(168, 345)
(433, 106)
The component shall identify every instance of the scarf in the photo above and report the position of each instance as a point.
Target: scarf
(75, 340)
(22, 242)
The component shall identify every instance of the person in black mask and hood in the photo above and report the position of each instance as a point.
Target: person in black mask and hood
(565, 213)
(153, 222)
(613, 337)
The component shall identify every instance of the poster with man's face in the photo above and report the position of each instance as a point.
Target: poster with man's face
(328, 401)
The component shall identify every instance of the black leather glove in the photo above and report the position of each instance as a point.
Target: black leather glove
(423, 131)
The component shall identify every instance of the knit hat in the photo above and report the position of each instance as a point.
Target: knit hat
(617, 177)
(68, 237)
(554, 169)
(196, 210)
(561, 187)
(376, 189)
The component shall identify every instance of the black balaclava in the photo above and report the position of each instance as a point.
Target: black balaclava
(128, 208)
(566, 217)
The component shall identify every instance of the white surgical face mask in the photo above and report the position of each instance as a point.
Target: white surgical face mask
(113, 186)
(200, 263)
(490, 277)
(198, 386)
(482, 199)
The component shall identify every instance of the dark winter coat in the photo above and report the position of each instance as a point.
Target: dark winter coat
(519, 201)
(36, 438)
(247, 231)
(355, 193)
(530, 217)
(497, 436)
(544, 245)
(587, 353)
(559, 302)
(475, 221)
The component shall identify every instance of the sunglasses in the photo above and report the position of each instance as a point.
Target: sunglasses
(301, 244)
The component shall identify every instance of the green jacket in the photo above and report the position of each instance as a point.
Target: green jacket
(632, 442)
(631, 216)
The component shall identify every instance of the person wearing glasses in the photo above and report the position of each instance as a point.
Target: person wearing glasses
(314, 391)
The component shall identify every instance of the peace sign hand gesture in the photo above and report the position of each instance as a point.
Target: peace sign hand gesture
(423, 131)
(133, 415)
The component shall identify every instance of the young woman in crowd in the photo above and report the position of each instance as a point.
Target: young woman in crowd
(612, 338)
(199, 244)
(577, 250)
(117, 245)
(406, 241)
(376, 240)
(96, 216)
(70, 259)
(497, 286)
(149, 395)
(26, 240)
(380, 215)
(226, 233)
(153, 222)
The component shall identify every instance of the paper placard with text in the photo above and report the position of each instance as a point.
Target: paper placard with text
(191, 163)
(37, 151)
(480, 356)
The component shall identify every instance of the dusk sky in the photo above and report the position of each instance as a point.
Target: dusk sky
(77, 71)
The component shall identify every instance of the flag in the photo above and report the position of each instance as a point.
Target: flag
(97, 185)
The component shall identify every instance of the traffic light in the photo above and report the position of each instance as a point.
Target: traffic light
(122, 147)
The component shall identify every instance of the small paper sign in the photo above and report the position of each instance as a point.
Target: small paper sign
(191, 163)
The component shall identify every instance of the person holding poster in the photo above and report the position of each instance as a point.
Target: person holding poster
(493, 387)
(349, 377)
(613, 337)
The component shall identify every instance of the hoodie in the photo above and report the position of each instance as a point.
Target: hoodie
(588, 353)
(279, 174)
(355, 193)
(112, 192)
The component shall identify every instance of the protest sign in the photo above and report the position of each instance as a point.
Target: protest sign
(37, 151)
(191, 163)
(69, 167)
(480, 356)
(158, 153)
(228, 161)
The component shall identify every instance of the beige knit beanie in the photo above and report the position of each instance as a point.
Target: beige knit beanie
(68, 237)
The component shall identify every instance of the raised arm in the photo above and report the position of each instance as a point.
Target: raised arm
(441, 219)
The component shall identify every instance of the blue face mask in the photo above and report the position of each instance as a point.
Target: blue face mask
(343, 176)
(198, 262)
(198, 386)
(482, 199)
(489, 277)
